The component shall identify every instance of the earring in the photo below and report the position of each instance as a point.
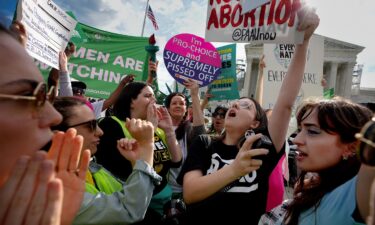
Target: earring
(345, 157)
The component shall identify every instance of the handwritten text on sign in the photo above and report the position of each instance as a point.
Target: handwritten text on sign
(274, 22)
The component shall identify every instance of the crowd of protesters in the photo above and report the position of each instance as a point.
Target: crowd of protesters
(149, 164)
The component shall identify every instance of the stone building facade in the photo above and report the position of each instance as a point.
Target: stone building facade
(338, 69)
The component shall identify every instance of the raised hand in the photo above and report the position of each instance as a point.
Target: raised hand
(262, 64)
(32, 194)
(193, 86)
(309, 21)
(141, 147)
(63, 62)
(165, 120)
(129, 78)
(71, 167)
(244, 162)
(152, 114)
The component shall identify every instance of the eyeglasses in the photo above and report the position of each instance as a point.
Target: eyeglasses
(366, 148)
(241, 104)
(40, 95)
(220, 114)
(91, 124)
(78, 91)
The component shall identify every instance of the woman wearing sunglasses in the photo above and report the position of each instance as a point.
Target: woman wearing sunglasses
(108, 200)
(225, 181)
(218, 117)
(35, 188)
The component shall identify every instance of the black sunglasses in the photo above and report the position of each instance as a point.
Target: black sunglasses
(91, 124)
(78, 91)
(40, 95)
(221, 115)
(366, 148)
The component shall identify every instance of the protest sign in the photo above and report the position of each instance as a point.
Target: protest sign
(189, 56)
(103, 58)
(273, 22)
(225, 86)
(48, 29)
(252, 4)
(277, 59)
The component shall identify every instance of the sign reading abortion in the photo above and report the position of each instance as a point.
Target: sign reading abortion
(273, 22)
(48, 29)
(189, 56)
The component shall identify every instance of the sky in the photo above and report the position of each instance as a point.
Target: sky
(345, 20)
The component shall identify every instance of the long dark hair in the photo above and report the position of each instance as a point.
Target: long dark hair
(121, 108)
(180, 131)
(335, 116)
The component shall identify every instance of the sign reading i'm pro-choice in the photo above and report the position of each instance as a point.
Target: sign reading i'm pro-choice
(189, 56)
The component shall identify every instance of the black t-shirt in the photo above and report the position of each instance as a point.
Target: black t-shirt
(240, 202)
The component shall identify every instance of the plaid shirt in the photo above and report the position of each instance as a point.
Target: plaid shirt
(275, 216)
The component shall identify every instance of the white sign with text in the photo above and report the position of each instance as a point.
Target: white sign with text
(273, 22)
(48, 29)
(277, 59)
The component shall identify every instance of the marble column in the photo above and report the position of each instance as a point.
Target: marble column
(347, 79)
(246, 87)
(332, 76)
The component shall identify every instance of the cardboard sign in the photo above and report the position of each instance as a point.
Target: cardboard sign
(48, 28)
(277, 59)
(274, 22)
(252, 4)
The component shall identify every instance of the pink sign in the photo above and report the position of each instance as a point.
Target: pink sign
(189, 56)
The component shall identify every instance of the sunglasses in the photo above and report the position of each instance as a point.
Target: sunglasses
(91, 124)
(366, 148)
(78, 91)
(221, 115)
(40, 95)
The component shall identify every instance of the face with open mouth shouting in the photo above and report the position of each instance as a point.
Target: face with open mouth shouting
(317, 149)
(241, 115)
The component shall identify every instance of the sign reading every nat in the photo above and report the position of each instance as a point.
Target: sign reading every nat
(189, 56)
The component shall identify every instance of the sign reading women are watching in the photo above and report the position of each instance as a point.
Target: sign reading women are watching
(103, 58)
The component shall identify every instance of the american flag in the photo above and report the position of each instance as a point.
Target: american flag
(151, 16)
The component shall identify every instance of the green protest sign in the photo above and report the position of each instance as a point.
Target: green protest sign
(225, 86)
(102, 58)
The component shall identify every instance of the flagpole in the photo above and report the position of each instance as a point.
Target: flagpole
(144, 19)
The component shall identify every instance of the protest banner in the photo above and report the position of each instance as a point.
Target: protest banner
(277, 59)
(48, 28)
(248, 5)
(273, 22)
(103, 58)
(189, 56)
(225, 87)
